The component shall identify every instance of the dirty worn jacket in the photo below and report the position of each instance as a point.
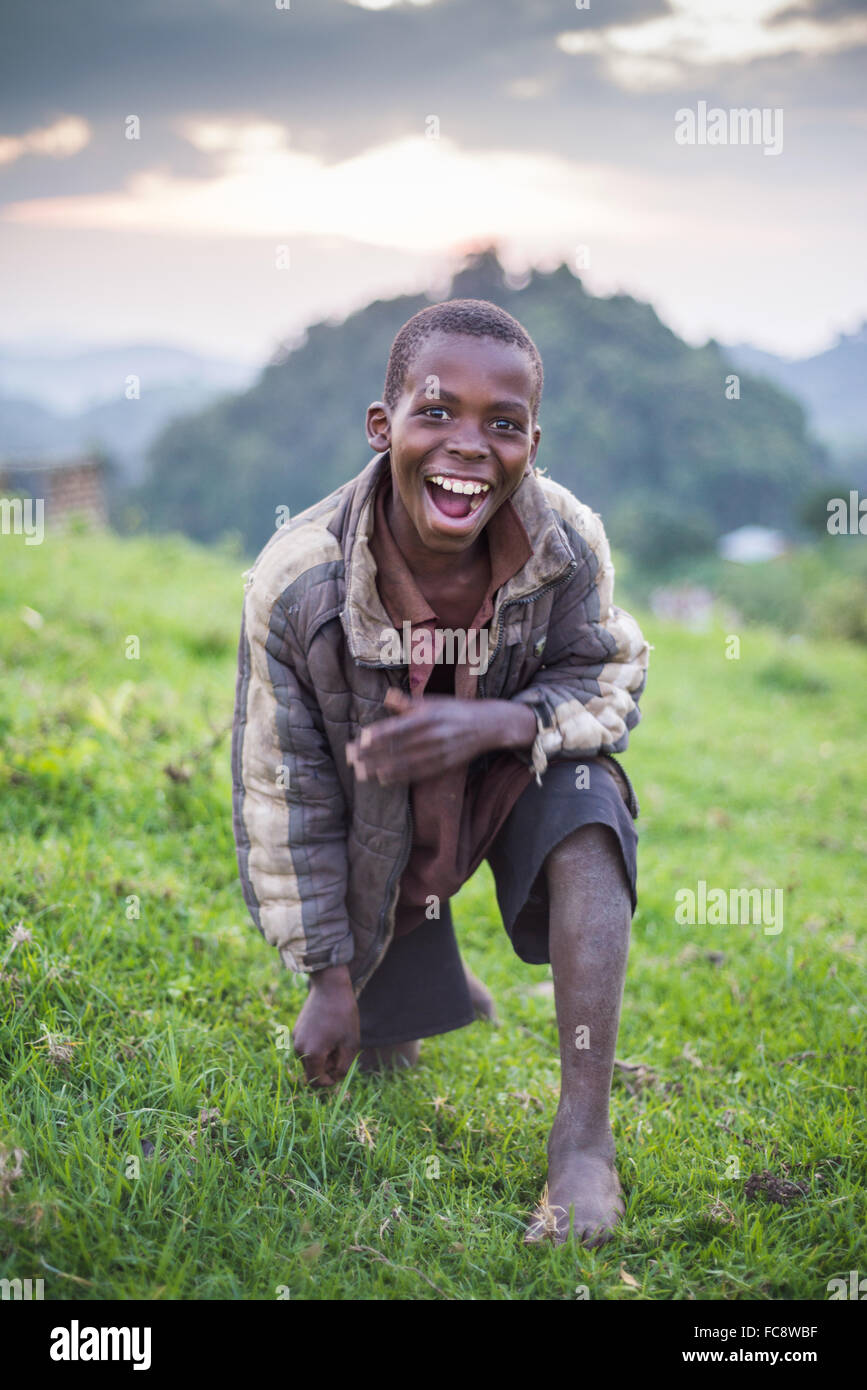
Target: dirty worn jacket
(320, 854)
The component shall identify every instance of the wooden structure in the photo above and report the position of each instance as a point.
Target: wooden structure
(71, 486)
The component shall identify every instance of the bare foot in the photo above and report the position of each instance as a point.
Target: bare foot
(586, 1180)
(390, 1058)
(483, 1000)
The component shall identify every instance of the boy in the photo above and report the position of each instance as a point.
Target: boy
(374, 769)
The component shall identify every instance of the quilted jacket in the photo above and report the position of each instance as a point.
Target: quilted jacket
(320, 855)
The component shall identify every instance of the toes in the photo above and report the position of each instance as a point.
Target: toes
(596, 1236)
(588, 1232)
(550, 1224)
(482, 999)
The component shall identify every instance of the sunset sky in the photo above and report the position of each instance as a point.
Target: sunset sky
(376, 139)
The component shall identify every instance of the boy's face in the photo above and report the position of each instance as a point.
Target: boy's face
(463, 414)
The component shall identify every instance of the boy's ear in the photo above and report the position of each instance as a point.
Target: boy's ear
(378, 427)
(534, 448)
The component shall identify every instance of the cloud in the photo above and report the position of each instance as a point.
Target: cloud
(448, 194)
(64, 138)
(389, 4)
(262, 126)
(661, 53)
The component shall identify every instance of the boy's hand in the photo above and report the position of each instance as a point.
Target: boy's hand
(327, 1034)
(437, 732)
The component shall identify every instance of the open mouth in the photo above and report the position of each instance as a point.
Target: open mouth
(457, 499)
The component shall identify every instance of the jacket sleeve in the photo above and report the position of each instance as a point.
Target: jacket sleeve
(585, 696)
(288, 809)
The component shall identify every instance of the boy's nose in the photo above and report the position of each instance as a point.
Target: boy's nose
(468, 445)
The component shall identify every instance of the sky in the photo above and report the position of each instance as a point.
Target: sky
(217, 174)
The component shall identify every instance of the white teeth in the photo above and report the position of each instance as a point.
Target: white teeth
(475, 504)
(467, 488)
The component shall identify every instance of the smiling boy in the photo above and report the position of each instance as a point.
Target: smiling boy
(371, 778)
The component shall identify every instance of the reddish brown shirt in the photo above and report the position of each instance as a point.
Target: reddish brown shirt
(456, 817)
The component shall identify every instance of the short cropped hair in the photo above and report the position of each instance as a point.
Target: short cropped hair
(477, 318)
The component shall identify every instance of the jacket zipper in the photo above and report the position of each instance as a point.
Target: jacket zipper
(528, 598)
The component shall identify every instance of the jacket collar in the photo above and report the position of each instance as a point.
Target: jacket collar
(363, 616)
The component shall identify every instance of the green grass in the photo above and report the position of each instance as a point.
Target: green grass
(117, 1030)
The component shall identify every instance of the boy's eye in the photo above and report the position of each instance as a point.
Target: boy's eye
(431, 410)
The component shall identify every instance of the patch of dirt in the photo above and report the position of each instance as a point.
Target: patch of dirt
(721, 1212)
(207, 1129)
(774, 1188)
(11, 1168)
(638, 1077)
(848, 1051)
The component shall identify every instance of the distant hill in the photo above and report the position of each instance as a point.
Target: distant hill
(28, 428)
(634, 421)
(123, 429)
(832, 386)
(73, 378)
(75, 398)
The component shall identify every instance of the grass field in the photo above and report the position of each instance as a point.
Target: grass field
(170, 1148)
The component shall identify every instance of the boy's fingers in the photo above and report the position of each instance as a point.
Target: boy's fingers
(353, 754)
(390, 750)
(316, 1069)
(367, 754)
(397, 699)
(407, 757)
(345, 1054)
(392, 734)
(366, 742)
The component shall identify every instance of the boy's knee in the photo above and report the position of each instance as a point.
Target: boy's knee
(590, 855)
(588, 842)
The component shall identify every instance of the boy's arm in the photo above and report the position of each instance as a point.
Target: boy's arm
(289, 812)
(585, 697)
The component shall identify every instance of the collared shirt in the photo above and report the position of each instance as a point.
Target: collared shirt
(458, 813)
